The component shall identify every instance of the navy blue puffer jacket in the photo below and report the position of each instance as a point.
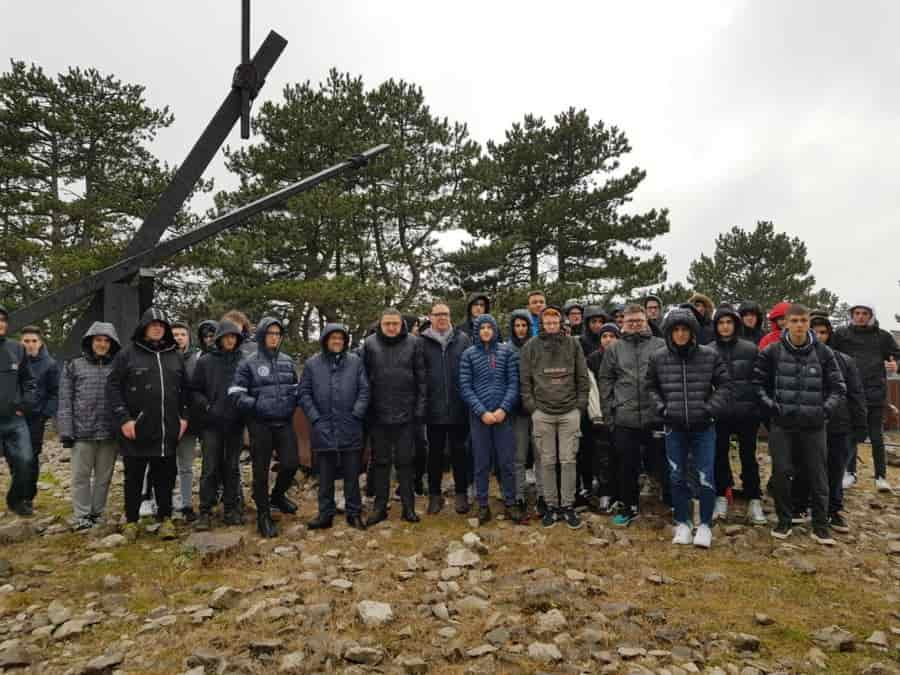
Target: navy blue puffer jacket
(265, 384)
(489, 375)
(334, 394)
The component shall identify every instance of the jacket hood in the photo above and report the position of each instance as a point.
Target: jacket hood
(478, 323)
(680, 316)
(475, 297)
(778, 311)
(593, 312)
(330, 329)
(204, 326)
(570, 305)
(525, 315)
(820, 320)
(861, 305)
(616, 309)
(264, 324)
(151, 315)
(100, 328)
(228, 328)
(706, 302)
(723, 311)
(750, 307)
(648, 298)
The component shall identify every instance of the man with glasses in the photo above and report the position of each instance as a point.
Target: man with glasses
(629, 409)
(265, 391)
(443, 345)
(17, 390)
(653, 308)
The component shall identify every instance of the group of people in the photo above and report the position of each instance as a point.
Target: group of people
(586, 400)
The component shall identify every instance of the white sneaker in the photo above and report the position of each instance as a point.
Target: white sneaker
(755, 512)
(682, 534)
(720, 510)
(882, 485)
(529, 476)
(703, 537)
(148, 508)
(849, 480)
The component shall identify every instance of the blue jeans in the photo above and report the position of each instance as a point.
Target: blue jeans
(15, 442)
(497, 442)
(701, 446)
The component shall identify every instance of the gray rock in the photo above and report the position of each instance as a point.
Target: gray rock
(763, 619)
(631, 652)
(112, 541)
(373, 613)
(292, 663)
(58, 613)
(69, 628)
(745, 642)
(211, 546)
(471, 605)
(204, 658)
(224, 597)
(544, 651)
(265, 647)
(369, 656)
(878, 639)
(463, 557)
(15, 657)
(111, 582)
(413, 665)
(834, 638)
(341, 584)
(551, 622)
(16, 532)
(480, 650)
(103, 663)
(802, 566)
(498, 636)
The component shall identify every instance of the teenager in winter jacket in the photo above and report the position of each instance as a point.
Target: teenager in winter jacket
(599, 433)
(489, 385)
(573, 311)
(398, 393)
(630, 412)
(85, 423)
(265, 393)
(554, 386)
(703, 309)
(847, 423)
(690, 387)
(17, 399)
(594, 319)
(653, 306)
(876, 354)
(334, 394)
(46, 377)
(536, 303)
(447, 418)
(751, 321)
(478, 304)
(216, 415)
(799, 383)
(776, 318)
(147, 392)
(520, 334)
(184, 453)
(741, 418)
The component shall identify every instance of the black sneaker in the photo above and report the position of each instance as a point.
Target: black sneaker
(839, 523)
(582, 501)
(570, 516)
(782, 531)
(799, 517)
(549, 517)
(821, 535)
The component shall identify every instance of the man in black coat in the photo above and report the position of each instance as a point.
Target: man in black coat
(17, 398)
(653, 306)
(443, 346)
(147, 392)
(741, 418)
(800, 386)
(398, 390)
(876, 353)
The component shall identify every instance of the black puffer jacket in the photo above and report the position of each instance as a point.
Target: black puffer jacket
(445, 405)
(211, 406)
(578, 330)
(753, 334)
(17, 383)
(147, 385)
(398, 381)
(870, 347)
(850, 415)
(799, 387)
(739, 356)
(689, 385)
(590, 342)
(265, 384)
(466, 326)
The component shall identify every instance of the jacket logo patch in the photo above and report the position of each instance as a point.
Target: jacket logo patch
(263, 371)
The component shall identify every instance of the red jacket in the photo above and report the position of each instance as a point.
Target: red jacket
(774, 334)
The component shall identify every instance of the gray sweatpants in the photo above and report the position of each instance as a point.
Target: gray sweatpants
(93, 463)
(522, 430)
(556, 440)
(184, 454)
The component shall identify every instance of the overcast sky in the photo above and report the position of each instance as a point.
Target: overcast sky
(739, 111)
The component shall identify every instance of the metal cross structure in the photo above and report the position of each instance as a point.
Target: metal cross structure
(115, 295)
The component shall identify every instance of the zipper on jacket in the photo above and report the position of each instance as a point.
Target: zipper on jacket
(162, 405)
(684, 392)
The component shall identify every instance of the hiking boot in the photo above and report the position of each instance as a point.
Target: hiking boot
(782, 531)
(283, 504)
(320, 522)
(484, 514)
(462, 504)
(682, 535)
(755, 512)
(167, 530)
(265, 525)
(703, 537)
(571, 518)
(838, 523)
(203, 523)
(356, 522)
(435, 505)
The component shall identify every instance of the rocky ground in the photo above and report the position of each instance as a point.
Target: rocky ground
(446, 596)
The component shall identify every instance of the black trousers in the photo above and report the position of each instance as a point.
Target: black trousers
(345, 464)
(36, 427)
(627, 458)
(838, 449)
(161, 476)
(221, 450)
(453, 437)
(803, 454)
(745, 430)
(422, 454)
(265, 439)
(603, 465)
(393, 443)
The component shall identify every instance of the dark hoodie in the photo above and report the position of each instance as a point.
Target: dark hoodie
(568, 307)
(655, 324)
(553, 372)
(211, 406)
(739, 355)
(398, 379)
(851, 414)
(17, 383)
(207, 326)
(46, 377)
(148, 386)
(84, 411)
(705, 335)
(753, 334)
(467, 325)
(334, 394)
(689, 384)
(595, 360)
(590, 342)
(870, 347)
(265, 385)
(515, 342)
